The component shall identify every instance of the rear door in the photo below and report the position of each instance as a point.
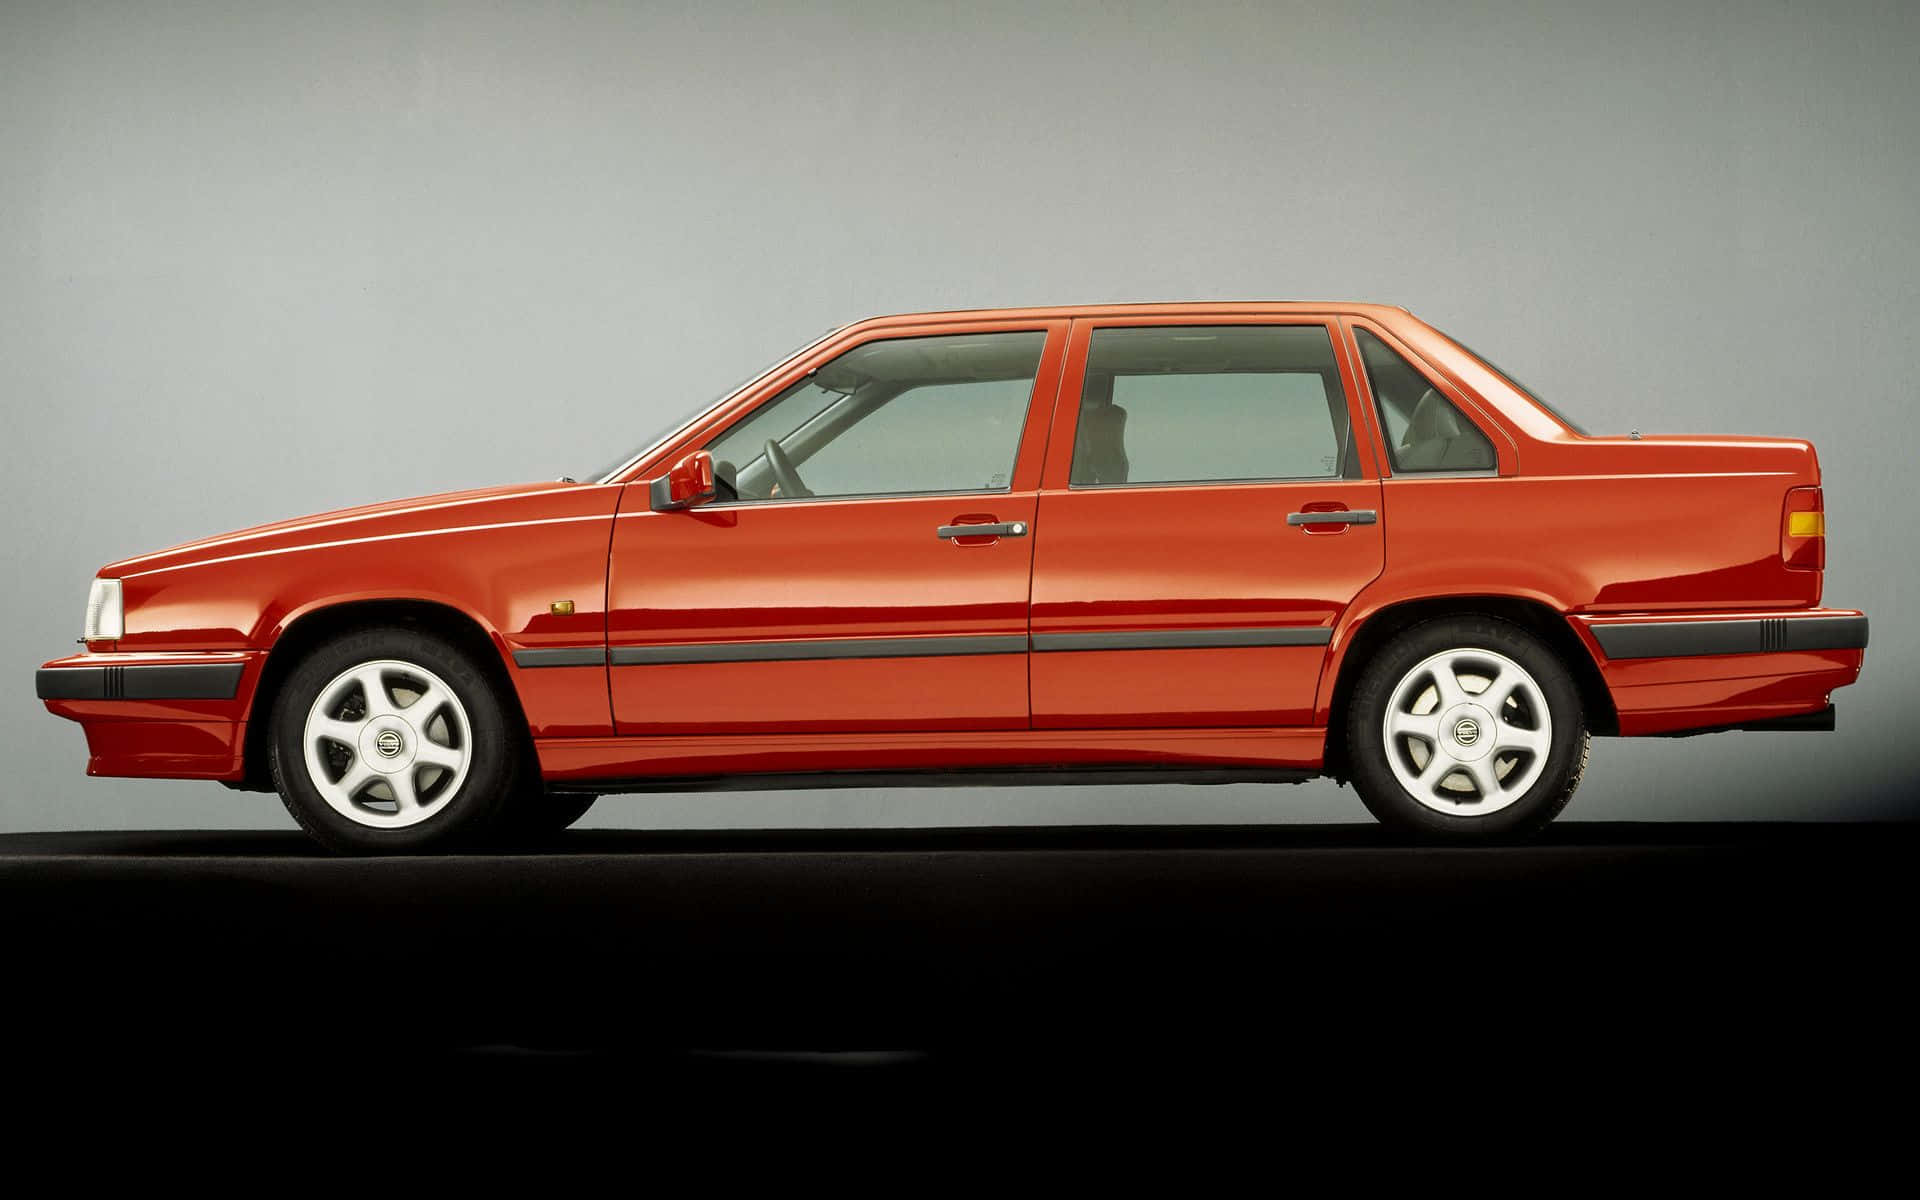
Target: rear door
(1206, 514)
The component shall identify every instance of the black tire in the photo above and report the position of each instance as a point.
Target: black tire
(1381, 789)
(536, 815)
(463, 819)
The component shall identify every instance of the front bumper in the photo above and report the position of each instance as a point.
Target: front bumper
(166, 716)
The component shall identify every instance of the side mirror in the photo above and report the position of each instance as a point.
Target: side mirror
(687, 483)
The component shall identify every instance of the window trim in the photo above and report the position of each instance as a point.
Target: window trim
(1075, 370)
(714, 505)
(1242, 481)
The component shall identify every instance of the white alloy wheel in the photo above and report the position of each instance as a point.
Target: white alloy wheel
(1467, 732)
(387, 744)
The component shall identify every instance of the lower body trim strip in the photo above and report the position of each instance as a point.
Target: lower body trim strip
(1757, 635)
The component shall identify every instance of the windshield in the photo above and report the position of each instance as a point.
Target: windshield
(1517, 386)
(671, 431)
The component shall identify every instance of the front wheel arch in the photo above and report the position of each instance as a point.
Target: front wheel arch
(320, 625)
(1381, 627)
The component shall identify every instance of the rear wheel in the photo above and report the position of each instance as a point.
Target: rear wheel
(1466, 727)
(391, 740)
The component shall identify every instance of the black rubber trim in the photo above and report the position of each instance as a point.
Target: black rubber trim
(1760, 635)
(156, 681)
(564, 656)
(918, 647)
(1185, 639)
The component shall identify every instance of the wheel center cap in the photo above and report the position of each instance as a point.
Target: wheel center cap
(387, 746)
(1467, 732)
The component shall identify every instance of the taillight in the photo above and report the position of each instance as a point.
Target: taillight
(1803, 530)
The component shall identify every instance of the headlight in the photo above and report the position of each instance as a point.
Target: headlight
(106, 616)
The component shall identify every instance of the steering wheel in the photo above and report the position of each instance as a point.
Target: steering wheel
(783, 472)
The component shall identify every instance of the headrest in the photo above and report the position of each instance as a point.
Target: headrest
(1433, 420)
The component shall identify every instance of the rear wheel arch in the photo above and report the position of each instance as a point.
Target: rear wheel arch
(319, 625)
(1378, 628)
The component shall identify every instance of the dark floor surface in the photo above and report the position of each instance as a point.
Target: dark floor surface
(881, 967)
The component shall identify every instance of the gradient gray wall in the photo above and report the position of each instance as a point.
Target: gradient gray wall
(258, 259)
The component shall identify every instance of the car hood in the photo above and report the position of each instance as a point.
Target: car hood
(474, 506)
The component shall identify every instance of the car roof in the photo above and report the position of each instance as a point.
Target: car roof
(1144, 309)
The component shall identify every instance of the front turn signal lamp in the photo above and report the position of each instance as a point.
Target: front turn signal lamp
(1803, 530)
(106, 611)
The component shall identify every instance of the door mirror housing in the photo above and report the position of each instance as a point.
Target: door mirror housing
(687, 483)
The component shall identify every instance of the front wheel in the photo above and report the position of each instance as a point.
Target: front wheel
(392, 740)
(1466, 727)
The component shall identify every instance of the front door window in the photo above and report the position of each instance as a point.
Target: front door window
(900, 416)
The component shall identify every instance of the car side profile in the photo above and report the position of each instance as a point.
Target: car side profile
(1187, 542)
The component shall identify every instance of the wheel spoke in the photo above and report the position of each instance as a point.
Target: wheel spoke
(1512, 737)
(1406, 724)
(429, 701)
(1447, 683)
(373, 684)
(430, 753)
(405, 797)
(1503, 684)
(1438, 768)
(1485, 779)
(347, 733)
(358, 775)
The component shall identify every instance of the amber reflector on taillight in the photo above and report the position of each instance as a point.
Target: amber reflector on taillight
(1803, 530)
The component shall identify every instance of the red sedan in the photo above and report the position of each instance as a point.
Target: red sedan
(1174, 542)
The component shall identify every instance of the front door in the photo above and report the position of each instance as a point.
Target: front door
(1184, 573)
(866, 564)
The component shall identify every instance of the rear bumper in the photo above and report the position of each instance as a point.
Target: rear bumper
(1678, 673)
(164, 716)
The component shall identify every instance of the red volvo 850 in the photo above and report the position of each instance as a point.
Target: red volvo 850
(1180, 542)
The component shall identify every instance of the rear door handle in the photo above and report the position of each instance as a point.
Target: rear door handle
(1335, 516)
(1002, 529)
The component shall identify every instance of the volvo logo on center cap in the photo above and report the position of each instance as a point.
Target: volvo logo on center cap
(1467, 732)
(387, 743)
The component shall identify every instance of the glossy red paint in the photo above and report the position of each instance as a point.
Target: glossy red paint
(725, 637)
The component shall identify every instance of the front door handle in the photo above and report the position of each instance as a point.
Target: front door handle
(1334, 516)
(1002, 529)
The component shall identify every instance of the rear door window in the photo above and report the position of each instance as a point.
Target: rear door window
(1199, 404)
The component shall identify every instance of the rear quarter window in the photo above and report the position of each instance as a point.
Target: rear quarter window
(1424, 431)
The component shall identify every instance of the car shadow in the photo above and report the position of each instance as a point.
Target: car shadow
(606, 951)
(277, 844)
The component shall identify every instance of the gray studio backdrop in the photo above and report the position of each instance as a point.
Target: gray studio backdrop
(263, 258)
